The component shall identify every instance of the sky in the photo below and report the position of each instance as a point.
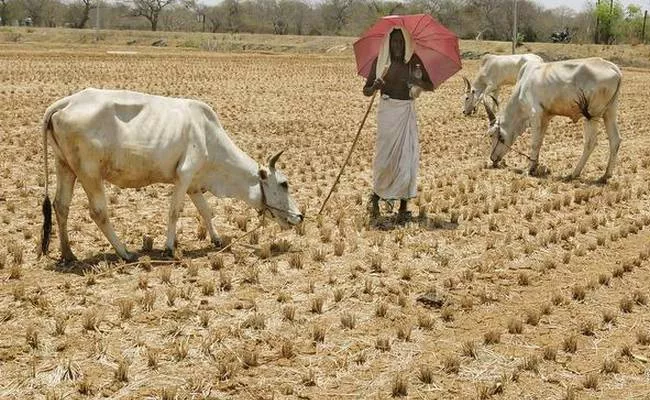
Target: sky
(579, 4)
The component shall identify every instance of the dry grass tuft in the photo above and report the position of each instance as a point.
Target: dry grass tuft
(318, 254)
(587, 327)
(492, 336)
(400, 385)
(296, 261)
(122, 372)
(348, 320)
(376, 263)
(147, 243)
(143, 282)
(85, 386)
(447, 314)
(578, 292)
(591, 381)
(609, 317)
(181, 349)
(225, 281)
(382, 343)
(426, 321)
(318, 333)
(626, 304)
(451, 364)
(523, 279)
(339, 248)
(289, 312)
(31, 336)
(287, 351)
(643, 337)
(255, 321)
(125, 306)
(152, 357)
(515, 326)
(570, 343)
(338, 294)
(148, 300)
(216, 262)
(60, 323)
(166, 274)
(532, 317)
(531, 363)
(603, 279)
(15, 271)
(549, 353)
(249, 359)
(404, 331)
(640, 298)
(469, 349)
(90, 320)
(171, 293)
(317, 304)
(610, 366)
(425, 374)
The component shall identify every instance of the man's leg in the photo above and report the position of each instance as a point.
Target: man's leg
(374, 205)
(403, 215)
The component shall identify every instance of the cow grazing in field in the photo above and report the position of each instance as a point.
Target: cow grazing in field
(494, 72)
(578, 88)
(133, 140)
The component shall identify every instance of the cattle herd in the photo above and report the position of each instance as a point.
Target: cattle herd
(523, 272)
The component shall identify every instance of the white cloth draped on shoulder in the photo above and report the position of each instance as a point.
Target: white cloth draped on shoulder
(397, 150)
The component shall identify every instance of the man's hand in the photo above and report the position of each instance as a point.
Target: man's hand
(378, 84)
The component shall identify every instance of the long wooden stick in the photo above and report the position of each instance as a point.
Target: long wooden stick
(354, 143)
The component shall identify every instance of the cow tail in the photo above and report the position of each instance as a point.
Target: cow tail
(47, 204)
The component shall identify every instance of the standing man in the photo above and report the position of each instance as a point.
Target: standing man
(400, 76)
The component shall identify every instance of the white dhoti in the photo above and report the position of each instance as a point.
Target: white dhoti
(397, 150)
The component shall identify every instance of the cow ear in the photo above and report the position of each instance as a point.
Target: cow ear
(263, 173)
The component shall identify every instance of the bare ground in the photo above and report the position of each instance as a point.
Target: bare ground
(504, 286)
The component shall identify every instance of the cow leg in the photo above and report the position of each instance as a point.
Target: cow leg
(98, 212)
(65, 180)
(206, 214)
(614, 141)
(538, 125)
(590, 137)
(175, 208)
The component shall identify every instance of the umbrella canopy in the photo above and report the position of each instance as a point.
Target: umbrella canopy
(436, 45)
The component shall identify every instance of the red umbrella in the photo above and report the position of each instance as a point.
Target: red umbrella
(436, 45)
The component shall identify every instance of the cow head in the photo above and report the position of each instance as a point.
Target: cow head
(497, 134)
(275, 194)
(470, 98)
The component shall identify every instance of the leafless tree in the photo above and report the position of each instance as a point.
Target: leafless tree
(79, 12)
(150, 9)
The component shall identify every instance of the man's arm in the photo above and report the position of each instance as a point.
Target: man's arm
(425, 82)
(372, 83)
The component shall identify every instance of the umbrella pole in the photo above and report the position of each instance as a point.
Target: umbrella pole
(354, 143)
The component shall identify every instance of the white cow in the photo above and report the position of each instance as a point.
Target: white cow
(133, 140)
(579, 88)
(494, 72)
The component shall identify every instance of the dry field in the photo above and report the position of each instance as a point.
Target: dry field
(503, 286)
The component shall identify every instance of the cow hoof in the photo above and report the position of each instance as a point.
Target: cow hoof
(130, 257)
(69, 258)
(568, 178)
(217, 243)
(168, 252)
(603, 180)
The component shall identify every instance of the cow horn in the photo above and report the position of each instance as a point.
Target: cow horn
(468, 86)
(274, 159)
(490, 114)
(496, 102)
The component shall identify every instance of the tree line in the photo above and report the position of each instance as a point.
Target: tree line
(604, 22)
